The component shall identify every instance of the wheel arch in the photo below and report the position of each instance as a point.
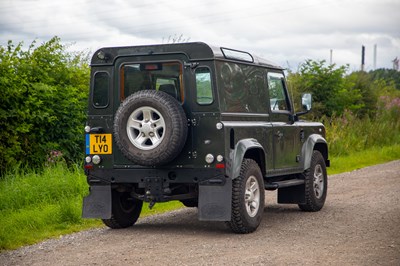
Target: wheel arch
(250, 149)
(314, 142)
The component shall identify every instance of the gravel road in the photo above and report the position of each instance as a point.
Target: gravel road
(359, 225)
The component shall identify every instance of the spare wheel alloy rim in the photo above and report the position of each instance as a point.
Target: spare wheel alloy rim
(146, 128)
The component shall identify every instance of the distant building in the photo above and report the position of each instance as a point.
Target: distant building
(396, 64)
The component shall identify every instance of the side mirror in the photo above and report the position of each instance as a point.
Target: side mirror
(306, 101)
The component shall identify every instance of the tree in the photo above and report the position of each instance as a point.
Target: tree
(363, 83)
(332, 93)
(389, 75)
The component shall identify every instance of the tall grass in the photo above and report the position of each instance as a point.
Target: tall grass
(25, 188)
(38, 205)
(348, 134)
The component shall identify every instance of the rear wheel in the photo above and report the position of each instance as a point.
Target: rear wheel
(125, 210)
(247, 198)
(190, 203)
(316, 184)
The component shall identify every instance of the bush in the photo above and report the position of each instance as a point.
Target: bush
(335, 92)
(44, 96)
(360, 110)
(330, 90)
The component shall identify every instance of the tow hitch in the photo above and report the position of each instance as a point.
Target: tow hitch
(154, 187)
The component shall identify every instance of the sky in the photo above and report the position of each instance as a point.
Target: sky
(285, 32)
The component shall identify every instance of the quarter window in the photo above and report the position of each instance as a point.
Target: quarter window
(203, 86)
(100, 89)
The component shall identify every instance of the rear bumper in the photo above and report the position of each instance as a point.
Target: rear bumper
(213, 191)
(138, 176)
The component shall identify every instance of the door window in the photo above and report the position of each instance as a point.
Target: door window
(278, 98)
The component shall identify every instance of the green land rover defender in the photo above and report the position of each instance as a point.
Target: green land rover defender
(209, 126)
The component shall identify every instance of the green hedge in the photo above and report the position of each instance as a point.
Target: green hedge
(43, 92)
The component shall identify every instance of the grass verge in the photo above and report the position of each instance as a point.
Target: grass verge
(38, 206)
(360, 159)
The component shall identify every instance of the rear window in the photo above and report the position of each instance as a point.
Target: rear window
(166, 77)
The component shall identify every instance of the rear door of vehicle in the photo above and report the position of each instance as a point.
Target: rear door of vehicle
(150, 72)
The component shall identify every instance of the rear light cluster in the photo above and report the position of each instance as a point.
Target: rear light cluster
(210, 159)
(90, 160)
(96, 159)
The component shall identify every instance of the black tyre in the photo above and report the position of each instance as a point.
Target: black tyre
(190, 203)
(248, 197)
(316, 184)
(150, 128)
(125, 210)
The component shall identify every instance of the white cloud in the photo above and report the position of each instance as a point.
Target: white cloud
(282, 31)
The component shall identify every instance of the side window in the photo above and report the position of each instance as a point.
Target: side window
(100, 89)
(241, 88)
(277, 94)
(203, 86)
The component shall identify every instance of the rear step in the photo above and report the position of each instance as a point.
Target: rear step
(282, 184)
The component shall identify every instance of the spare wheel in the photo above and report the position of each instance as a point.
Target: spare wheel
(150, 128)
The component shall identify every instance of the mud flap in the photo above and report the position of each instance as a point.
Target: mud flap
(98, 203)
(215, 200)
(292, 195)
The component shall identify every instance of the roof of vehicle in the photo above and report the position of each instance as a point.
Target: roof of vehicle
(193, 50)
